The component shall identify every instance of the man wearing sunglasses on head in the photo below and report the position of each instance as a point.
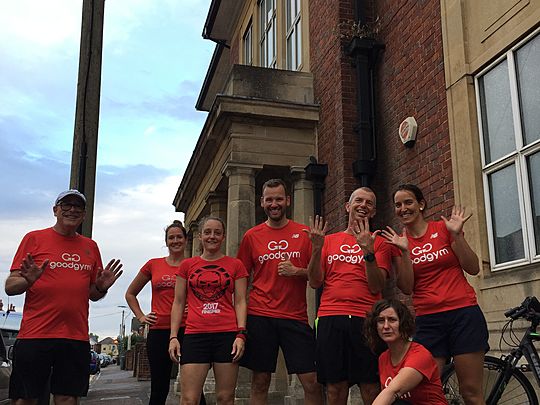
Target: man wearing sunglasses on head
(59, 270)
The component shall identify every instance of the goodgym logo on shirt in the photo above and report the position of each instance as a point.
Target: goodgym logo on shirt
(349, 254)
(70, 261)
(277, 250)
(166, 281)
(424, 253)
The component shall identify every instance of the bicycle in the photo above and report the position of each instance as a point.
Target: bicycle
(504, 381)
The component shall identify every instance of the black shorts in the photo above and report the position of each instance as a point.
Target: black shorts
(342, 354)
(207, 348)
(67, 361)
(266, 335)
(455, 332)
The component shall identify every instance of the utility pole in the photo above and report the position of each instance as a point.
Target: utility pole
(122, 324)
(85, 138)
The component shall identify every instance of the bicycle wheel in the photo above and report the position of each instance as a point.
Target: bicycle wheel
(518, 391)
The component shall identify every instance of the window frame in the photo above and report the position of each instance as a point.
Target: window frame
(247, 48)
(293, 32)
(264, 27)
(518, 157)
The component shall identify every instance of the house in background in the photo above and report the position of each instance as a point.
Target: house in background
(314, 92)
(109, 346)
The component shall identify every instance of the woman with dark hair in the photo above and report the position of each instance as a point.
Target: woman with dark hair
(449, 322)
(161, 273)
(214, 287)
(407, 371)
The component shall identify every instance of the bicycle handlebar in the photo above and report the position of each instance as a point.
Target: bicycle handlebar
(529, 306)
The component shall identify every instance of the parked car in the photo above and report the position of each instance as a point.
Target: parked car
(10, 323)
(95, 362)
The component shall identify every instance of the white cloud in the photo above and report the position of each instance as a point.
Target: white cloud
(40, 23)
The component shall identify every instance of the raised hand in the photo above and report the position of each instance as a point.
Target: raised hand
(399, 241)
(316, 232)
(108, 276)
(30, 271)
(364, 238)
(457, 220)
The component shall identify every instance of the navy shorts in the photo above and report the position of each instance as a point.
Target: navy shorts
(207, 348)
(454, 332)
(342, 354)
(66, 361)
(266, 335)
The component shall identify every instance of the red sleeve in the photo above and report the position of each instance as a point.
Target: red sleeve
(27, 245)
(241, 271)
(147, 269)
(99, 262)
(183, 269)
(421, 360)
(383, 254)
(244, 254)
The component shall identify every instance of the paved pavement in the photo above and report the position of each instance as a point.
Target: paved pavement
(113, 385)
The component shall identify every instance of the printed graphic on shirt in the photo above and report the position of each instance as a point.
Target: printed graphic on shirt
(277, 250)
(405, 396)
(210, 282)
(70, 261)
(349, 254)
(167, 281)
(426, 253)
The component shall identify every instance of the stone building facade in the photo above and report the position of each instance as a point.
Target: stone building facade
(314, 91)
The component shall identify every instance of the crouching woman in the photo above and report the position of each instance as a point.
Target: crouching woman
(408, 373)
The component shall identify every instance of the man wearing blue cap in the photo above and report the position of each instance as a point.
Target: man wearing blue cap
(59, 270)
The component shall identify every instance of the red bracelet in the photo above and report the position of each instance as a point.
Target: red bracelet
(241, 336)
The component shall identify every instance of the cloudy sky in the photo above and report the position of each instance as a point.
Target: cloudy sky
(154, 62)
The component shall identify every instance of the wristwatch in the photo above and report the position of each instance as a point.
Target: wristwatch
(369, 257)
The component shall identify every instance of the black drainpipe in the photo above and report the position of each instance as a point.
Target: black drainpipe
(364, 52)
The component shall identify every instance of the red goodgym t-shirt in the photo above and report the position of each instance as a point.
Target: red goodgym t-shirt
(210, 289)
(346, 289)
(439, 282)
(56, 306)
(163, 280)
(261, 250)
(429, 391)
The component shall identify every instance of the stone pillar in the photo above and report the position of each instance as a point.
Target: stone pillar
(195, 243)
(303, 208)
(217, 201)
(240, 217)
(189, 244)
(240, 205)
(302, 201)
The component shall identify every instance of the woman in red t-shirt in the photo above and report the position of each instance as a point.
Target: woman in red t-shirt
(214, 287)
(161, 273)
(407, 371)
(449, 322)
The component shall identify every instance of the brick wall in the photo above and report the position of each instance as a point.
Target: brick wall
(410, 82)
(334, 87)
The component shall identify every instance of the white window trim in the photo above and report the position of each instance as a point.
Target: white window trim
(263, 38)
(248, 32)
(291, 32)
(518, 157)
